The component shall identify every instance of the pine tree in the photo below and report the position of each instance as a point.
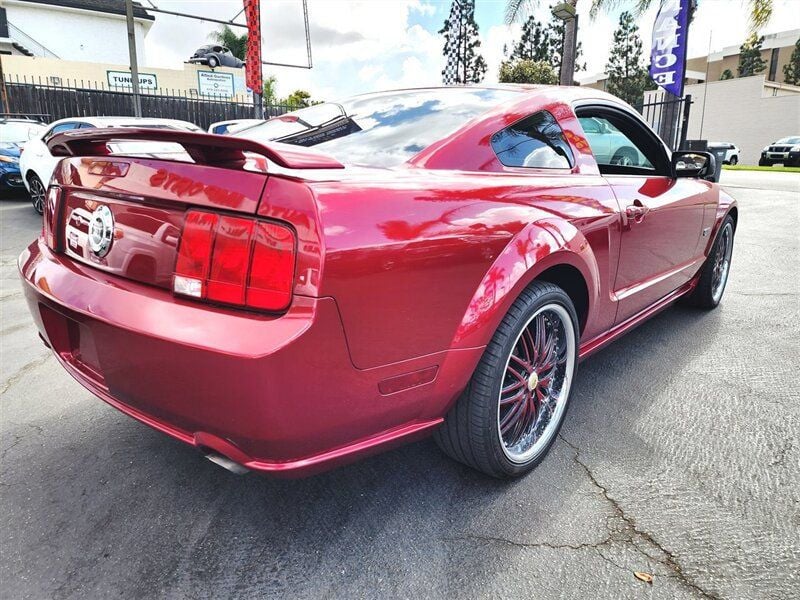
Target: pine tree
(544, 43)
(750, 61)
(791, 70)
(464, 63)
(535, 42)
(627, 77)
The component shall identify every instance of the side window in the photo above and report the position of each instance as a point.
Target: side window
(59, 128)
(534, 142)
(87, 126)
(612, 147)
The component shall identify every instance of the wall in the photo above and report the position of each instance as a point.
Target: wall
(51, 71)
(749, 112)
(78, 34)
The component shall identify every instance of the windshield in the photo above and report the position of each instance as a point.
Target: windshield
(384, 129)
(17, 132)
(789, 140)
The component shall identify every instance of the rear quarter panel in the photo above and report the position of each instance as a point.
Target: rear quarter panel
(424, 261)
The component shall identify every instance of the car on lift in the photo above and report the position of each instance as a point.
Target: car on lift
(786, 151)
(357, 275)
(215, 56)
(36, 164)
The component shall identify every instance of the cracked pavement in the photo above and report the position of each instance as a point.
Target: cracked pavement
(679, 458)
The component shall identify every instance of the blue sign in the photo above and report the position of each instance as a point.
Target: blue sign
(668, 56)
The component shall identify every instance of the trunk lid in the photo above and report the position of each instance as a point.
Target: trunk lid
(123, 214)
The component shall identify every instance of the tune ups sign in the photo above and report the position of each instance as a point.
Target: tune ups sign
(668, 56)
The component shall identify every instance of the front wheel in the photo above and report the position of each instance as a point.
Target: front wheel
(762, 162)
(213, 62)
(510, 414)
(38, 193)
(714, 274)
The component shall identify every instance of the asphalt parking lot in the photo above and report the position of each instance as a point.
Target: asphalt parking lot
(679, 458)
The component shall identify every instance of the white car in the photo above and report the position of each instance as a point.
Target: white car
(226, 127)
(36, 164)
(731, 151)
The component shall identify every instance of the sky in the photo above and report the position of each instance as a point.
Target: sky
(383, 44)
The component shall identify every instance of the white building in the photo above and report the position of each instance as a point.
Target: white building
(75, 30)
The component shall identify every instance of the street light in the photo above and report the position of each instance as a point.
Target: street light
(565, 12)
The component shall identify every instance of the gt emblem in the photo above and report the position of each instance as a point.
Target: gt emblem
(101, 230)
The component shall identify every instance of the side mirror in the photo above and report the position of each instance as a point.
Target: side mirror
(702, 165)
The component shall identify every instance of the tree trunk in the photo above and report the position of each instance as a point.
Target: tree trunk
(568, 53)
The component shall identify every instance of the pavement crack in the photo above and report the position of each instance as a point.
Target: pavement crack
(22, 371)
(669, 559)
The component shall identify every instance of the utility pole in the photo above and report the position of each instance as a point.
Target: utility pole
(137, 100)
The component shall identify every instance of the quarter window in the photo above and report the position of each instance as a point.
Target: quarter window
(536, 141)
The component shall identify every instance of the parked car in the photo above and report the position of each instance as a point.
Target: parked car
(437, 263)
(215, 56)
(609, 145)
(785, 151)
(732, 151)
(37, 163)
(13, 134)
(226, 127)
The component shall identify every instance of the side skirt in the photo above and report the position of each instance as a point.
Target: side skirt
(591, 346)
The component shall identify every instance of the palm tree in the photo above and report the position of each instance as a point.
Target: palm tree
(237, 44)
(517, 11)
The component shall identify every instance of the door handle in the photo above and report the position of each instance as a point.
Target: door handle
(636, 211)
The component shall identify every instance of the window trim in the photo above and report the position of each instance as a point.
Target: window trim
(572, 163)
(49, 133)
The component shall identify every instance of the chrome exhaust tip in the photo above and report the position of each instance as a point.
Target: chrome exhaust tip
(226, 463)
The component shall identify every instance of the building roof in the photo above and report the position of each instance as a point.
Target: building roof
(113, 7)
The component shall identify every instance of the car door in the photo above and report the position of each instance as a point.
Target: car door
(662, 217)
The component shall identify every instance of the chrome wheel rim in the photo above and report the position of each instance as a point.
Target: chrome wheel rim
(37, 195)
(535, 383)
(722, 262)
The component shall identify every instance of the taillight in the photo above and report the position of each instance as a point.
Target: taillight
(236, 261)
(50, 216)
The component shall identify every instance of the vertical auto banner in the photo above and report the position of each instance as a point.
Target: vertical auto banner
(668, 56)
(252, 12)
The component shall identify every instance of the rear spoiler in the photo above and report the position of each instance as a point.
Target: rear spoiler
(203, 148)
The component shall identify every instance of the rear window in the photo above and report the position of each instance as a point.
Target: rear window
(533, 142)
(385, 129)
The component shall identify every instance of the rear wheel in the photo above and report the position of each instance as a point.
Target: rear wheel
(38, 192)
(714, 274)
(734, 160)
(510, 414)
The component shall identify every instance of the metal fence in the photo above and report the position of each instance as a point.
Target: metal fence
(668, 116)
(93, 99)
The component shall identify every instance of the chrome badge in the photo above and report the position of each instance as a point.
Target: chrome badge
(101, 230)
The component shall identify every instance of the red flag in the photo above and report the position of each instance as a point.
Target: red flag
(252, 12)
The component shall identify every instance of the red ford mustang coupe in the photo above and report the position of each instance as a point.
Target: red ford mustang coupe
(438, 263)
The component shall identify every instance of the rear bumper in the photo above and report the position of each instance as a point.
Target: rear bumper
(274, 394)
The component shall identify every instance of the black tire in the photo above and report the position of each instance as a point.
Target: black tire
(213, 62)
(764, 163)
(471, 432)
(734, 160)
(626, 157)
(710, 289)
(38, 192)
